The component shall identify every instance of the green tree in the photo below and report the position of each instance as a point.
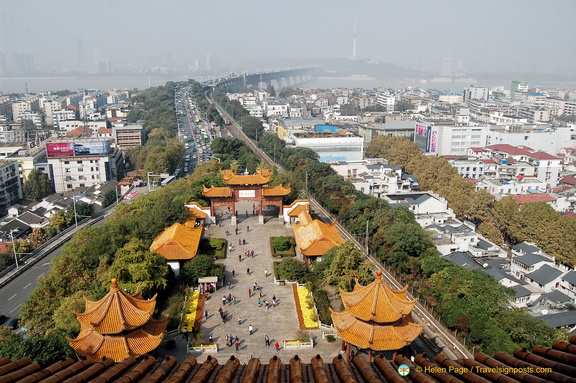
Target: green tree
(135, 265)
(403, 106)
(47, 349)
(109, 198)
(65, 318)
(348, 265)
(198, 267)
(37, 186)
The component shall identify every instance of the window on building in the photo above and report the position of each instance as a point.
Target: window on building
(78, 162)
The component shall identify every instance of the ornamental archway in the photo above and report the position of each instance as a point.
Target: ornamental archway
(246, 188)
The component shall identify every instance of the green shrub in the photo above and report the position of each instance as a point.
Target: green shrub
(291, 270)
(281, 244)
(323, 306)
(217, 243)
(330, 338)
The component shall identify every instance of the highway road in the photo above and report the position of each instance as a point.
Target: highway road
(15, 293)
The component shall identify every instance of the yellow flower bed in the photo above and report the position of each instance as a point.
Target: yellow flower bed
(308, 314)
(190, 311)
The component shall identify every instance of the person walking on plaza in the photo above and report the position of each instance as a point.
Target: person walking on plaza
(249, 293)
(239, 258)
(266, 273)
(250, 329)
(237, 344)
(233, 273)
(239, 319)
(266, 340)
(185, 334)
(206, 314)
(277, 345)
(229, 285)
(248, 271)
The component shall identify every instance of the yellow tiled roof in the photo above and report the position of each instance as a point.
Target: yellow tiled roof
(117, 311)
(178, 242)
(261, 177)
(316, 237)
(377, 301)
(92, 344)
(276, 190)
(304, 218)
(196, 210)
(296, 207)
(217, 191)
(374, 336)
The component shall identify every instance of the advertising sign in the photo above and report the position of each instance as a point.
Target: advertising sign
(421, 130)
(77, 148)
(56, 149)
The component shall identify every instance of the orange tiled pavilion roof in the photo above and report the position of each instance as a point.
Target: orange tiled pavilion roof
(118, 326)
(261, 177)
(118, 311)
(178, 242)
(315, 238)
(374, 336)
(276, 190)
(377, 302)
(217, 191)
(92, 344)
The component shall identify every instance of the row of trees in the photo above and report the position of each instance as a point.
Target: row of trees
(399, 242)
(503, 222)
(163, 151)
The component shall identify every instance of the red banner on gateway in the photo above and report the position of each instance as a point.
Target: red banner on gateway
(60, 149)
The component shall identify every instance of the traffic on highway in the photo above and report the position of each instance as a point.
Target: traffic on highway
(196, 134)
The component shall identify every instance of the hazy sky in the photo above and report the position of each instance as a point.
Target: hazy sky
(485, 35)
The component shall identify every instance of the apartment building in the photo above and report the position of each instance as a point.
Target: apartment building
(10, 185)
(83, 163)
(128, 136)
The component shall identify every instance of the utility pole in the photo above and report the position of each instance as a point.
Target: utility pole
(367, 237)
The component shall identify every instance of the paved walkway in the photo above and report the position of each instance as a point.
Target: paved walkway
(279, 322)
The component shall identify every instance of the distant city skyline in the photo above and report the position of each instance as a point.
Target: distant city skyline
(484, 36)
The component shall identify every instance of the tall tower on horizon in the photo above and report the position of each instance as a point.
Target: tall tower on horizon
(354, 45)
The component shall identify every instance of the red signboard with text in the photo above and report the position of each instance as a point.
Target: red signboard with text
(60, 149)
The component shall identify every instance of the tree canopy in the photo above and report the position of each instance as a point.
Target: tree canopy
(37, 186)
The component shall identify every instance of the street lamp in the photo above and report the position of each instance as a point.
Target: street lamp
(14, 248)
(153, 175)
(76, 215)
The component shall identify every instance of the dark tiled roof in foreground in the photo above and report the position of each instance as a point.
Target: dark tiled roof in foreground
(554, 364)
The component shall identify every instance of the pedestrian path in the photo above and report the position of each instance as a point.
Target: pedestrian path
(279, 322)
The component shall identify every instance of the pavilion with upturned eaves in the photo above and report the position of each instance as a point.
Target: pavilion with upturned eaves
(376, 318)
(118, 326)
(246, 187)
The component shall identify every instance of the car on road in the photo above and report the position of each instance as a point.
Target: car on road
(14, 324)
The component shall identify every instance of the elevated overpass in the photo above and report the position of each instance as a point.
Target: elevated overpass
(279, 79)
